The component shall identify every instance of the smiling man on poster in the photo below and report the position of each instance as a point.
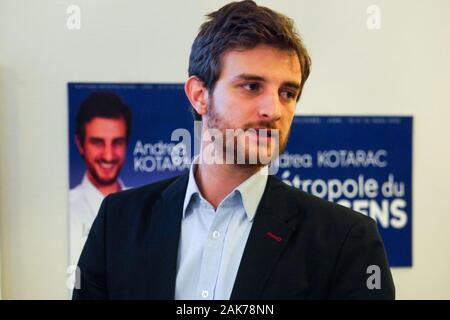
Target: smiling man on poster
(228, 229)
(103, 127)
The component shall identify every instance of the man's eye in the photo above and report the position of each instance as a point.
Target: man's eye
(289, 95)
(96, 141)
(119, 142)
(251, 86)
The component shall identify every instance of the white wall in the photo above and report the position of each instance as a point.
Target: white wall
(401, 69)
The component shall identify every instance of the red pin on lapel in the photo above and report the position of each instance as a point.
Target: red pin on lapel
(274, 237)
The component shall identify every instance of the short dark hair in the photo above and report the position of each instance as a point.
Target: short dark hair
(101, 104)
(242, 25)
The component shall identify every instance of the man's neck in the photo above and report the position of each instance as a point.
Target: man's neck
(216, 181)
(105, 189)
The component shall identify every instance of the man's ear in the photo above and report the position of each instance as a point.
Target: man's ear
(79, 145)
(197, 94)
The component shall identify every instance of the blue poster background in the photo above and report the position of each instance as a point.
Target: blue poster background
(322, 151)
(339, 148)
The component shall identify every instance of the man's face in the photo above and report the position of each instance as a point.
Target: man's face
(257, 88)
(104, 149)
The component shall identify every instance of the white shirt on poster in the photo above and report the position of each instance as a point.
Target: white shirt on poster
(84, 203)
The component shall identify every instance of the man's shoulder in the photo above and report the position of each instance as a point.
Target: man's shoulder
(317, 210)
(143, 194)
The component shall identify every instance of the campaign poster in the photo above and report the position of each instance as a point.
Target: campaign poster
(120, 136)
(361, 162)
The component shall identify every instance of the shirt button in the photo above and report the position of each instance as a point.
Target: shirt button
(216, 234)
(205, 294)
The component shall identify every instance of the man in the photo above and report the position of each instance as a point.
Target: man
(102, 129)
(228, 230)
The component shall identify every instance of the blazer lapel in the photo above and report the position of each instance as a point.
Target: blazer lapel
(268, 238)
(163, 238)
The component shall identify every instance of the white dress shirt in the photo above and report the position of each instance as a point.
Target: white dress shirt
(212, 241)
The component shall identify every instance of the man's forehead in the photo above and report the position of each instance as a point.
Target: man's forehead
(105, 126)
(103, 121)
(264, 61)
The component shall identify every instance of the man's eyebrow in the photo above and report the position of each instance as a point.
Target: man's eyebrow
(247, 76)
(292, 84)
(98, 139)
(254, 77)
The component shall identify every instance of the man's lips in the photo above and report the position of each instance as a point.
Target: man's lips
(107, 165)
(261, 132)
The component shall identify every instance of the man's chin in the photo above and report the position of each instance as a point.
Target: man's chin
(253, 158)
(106, 181)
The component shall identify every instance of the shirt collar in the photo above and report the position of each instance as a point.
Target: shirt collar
(93, 195)
(251, 190)
(192, 188)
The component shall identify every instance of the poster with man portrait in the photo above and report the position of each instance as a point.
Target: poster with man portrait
(119, 138)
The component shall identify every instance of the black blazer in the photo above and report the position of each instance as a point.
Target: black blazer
(299, 247)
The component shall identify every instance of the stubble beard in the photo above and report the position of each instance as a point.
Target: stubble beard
(230, 144)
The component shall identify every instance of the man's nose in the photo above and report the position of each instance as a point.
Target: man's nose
(270, 107)
(108, 153)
